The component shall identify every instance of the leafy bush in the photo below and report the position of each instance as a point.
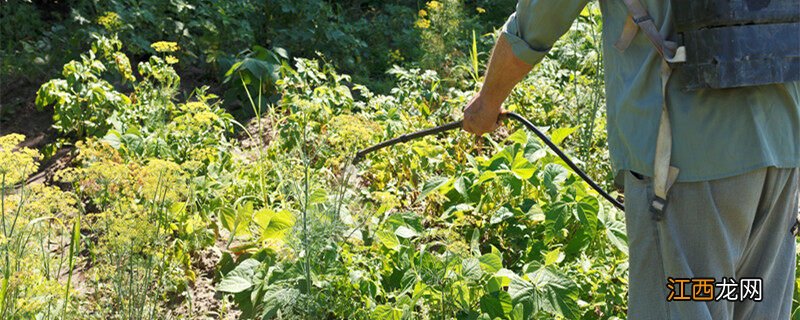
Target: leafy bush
(83, 99)
(407, 241)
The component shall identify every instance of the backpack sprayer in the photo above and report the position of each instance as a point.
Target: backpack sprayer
(509, 115)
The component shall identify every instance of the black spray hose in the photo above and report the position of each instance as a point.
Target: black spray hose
(511, 115)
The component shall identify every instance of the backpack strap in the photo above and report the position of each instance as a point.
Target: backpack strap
(642, 19)
(664, 175)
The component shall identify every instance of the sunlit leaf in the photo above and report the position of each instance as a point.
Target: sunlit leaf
(558, 135)
(520, 137)
(432, 185)
(502, 214)
(486, 176)
(388, 239)
(615, 231)
(522, 168)
(491, 262)
(386, 312)
(588, 207)
(471, 269)
(240, 278)
(553, 256)
(552, 178)
(405, 233)
(237, 221)
(273, 225)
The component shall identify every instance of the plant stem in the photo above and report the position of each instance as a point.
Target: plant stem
(307, 165)
(72, 250)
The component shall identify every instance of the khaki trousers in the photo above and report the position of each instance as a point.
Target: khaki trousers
(737, 227)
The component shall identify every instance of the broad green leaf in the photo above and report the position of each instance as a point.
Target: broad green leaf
(535, 213)
(504, 276)
(273, 225)
(471, 269)
(281, 52)
(518, 313)
(522, 168)
(581, 238)
(237, 221)
(615, 231)
(553, 176)
(558, 135)
(388, 239)
(424, 149)
(463, 297)
(497, 304)
(318, 196)
(461, 186)
(275, 299)
(558, 214)
(177, 207)
(461, 207)
(491, 262)
(503, 157)
(495, 284)
(408, 281)
(405, 232)
(559, 293)
(234, 284)
(502, 214)
(520, 137)
(113, 138)
(240, 278)
(432, 185)
(486, 176)
(386, 312)
(420, 290)
(520, 289)
(554, 256)
(588, 207)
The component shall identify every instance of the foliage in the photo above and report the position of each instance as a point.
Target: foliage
(83, 99)
(437, 228)
(212, 34)
(33, 220)
(449, 224)
(16, 163)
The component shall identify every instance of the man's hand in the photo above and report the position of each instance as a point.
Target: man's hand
(481, 115)
(504, 71)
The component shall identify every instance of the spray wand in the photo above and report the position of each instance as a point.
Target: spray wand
(509, 115)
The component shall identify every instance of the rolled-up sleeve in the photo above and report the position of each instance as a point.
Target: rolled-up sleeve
(537, 24)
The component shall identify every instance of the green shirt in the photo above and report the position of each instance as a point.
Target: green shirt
(717, 133)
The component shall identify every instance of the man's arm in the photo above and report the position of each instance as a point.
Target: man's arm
(527, 36)
(504, 71)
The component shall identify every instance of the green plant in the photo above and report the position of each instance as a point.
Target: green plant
(256, 71)
(83, 99)
(34, 217)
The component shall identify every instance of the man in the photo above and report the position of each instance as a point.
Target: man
(738, 150)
